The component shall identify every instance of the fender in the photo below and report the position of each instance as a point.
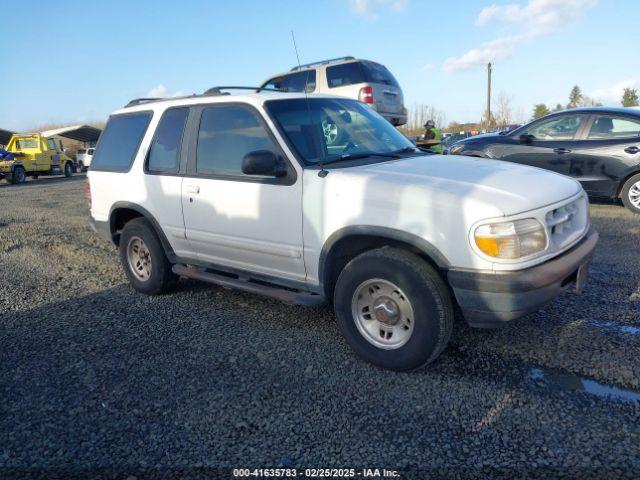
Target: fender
(147, 216)
(384, 232)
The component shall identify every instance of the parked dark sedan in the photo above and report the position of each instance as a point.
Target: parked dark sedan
(598, 146)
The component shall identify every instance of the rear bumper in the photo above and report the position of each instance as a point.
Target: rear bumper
(492, 299)
(395, 119)
(101, 228)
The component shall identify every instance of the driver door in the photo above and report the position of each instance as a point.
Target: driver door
(247, 222)
(551, 143)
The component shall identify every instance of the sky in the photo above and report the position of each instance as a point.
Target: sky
(92, 57)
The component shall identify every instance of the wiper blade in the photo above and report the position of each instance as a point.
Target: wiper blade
(356, 156)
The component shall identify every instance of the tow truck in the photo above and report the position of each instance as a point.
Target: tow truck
(32, 155)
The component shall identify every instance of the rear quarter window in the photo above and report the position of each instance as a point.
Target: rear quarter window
(120, 141)
(345, 74)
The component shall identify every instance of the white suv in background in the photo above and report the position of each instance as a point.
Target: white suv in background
(364, 80)
(83, 158)
(245, 191)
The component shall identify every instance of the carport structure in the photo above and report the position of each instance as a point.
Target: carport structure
(82, 133)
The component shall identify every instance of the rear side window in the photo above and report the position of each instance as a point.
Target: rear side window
(606, 127)
(294, 82)
(376, 73)
(164, 154)
(227, 133)
(120, 141)
(345, 74)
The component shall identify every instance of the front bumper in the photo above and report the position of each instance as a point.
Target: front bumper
(492, 299)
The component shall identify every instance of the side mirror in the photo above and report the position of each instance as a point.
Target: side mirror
(525, 138)
(263, 162)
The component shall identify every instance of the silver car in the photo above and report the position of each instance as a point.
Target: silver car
(364, 80)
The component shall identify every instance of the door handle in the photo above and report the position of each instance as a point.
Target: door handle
(561, 150)
(632, 150)
(192, 189)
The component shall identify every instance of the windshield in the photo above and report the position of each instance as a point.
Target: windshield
(327, 129)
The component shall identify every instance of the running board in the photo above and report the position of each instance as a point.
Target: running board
(289, 296)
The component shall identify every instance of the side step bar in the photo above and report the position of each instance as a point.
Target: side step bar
(299, 298)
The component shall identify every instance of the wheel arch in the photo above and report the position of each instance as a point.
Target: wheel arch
(123, 212)
(346, 243)
(623, 180)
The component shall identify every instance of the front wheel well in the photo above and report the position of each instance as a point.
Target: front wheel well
(349, 247)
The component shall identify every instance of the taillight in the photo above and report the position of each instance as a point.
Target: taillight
(366, 95)
(87, 191)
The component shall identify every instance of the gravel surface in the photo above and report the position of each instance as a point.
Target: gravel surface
(98, 380)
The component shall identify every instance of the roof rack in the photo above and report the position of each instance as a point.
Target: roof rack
(218, 90)
(322, 62)
(139, 101)
(214, 91)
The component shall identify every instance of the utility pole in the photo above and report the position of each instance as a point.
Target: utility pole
(488, 119)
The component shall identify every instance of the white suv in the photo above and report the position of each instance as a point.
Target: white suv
(244, 191)
(83, 159)
(364, 80)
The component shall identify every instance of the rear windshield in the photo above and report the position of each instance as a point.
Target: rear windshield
(359, 72)
(120, 141)
(294, 82)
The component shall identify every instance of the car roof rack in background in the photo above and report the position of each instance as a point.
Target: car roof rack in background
(323, 62)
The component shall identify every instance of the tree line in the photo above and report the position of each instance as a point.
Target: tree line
(578, 99)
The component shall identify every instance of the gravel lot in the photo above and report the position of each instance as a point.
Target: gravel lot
(98, 380)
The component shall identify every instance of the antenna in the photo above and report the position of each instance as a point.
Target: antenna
(322, 173)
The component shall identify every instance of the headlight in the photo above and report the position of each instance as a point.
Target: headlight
(455, 149)
(511, 240)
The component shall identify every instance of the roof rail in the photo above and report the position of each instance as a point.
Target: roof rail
(139, 101)
(323, 62)
(213, 91)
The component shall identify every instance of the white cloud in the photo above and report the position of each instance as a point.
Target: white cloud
(428, 66)
(161, 91)
(370, 8)
(533, 19)
(613, 94)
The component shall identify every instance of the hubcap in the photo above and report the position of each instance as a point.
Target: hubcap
(383, 313)
(330, 130)
(139, 258)
(634, 194)
(20, 175)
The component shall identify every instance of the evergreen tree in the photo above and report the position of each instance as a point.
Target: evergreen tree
(630, 97)
(540, 110)
(575, 97)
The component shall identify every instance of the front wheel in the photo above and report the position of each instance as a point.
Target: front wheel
(393, 309)
(18, 176)
(68, 169)
(79, 168)
(143, 258)
(631, 193)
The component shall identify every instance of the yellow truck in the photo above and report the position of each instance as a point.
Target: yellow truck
(32, 155)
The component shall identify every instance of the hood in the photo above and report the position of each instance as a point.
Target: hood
(494, 186)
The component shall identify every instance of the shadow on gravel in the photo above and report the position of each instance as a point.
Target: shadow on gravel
(207, 377)
(41, 181)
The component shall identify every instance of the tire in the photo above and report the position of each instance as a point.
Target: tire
(630, 193)
(80, 168)
(18, 176)
(153, 274)
(419, 296)
(68, 169)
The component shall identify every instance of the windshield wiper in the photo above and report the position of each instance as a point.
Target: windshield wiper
(356, 156)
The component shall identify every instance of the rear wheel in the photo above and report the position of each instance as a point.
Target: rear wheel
(144, 260)
(68, 169)
(393, 309)
(631, 193)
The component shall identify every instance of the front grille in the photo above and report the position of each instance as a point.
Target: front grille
(567, 223)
